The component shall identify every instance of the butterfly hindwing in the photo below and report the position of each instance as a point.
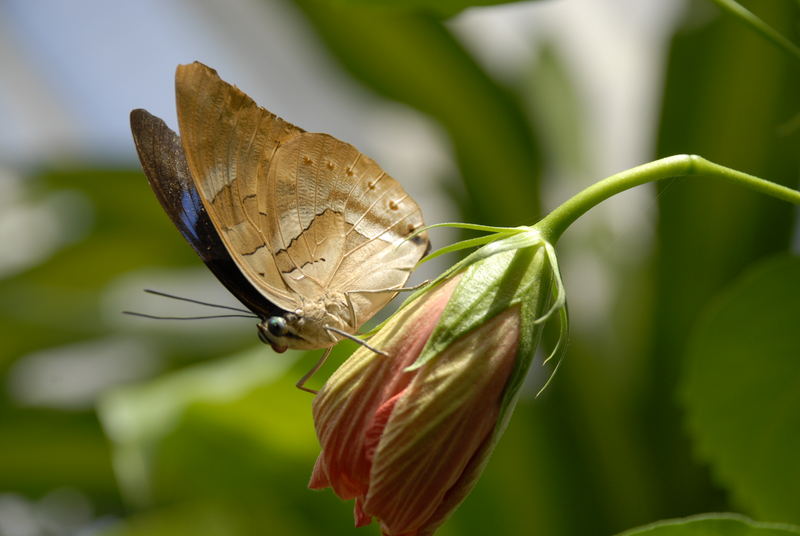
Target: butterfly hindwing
(336, 221)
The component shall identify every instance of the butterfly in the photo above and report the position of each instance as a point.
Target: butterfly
(307, 232)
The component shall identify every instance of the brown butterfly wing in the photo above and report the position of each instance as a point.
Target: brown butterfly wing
(301, 214)
(229, 141)
(337, 222)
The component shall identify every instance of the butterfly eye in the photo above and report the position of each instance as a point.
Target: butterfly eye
(277, 326)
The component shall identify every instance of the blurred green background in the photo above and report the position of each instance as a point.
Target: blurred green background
(680, 390)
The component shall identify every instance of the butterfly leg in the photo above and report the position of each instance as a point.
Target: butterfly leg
(376, 291)
(353, 338)
(387, 289)
(415, 287)
(307, 376)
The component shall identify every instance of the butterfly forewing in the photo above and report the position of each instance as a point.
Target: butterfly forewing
(227, 138)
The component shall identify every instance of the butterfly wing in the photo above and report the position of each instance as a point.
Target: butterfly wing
(337, 222)
(229, 141)
(301, 214)
(164, 164)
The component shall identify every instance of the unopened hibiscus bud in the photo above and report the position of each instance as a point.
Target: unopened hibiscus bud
(407, 435)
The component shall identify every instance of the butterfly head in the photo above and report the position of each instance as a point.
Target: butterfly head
(277, 331)
(308, 328)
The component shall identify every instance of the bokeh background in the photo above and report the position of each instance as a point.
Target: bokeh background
(117, 425)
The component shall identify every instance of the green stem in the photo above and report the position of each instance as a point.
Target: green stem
(555, 223)
(748, 18)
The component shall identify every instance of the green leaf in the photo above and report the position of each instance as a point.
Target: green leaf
(139, 418)
(713, 525)
(28, 465)
(741, 389)
(709, 232)
(220, 448)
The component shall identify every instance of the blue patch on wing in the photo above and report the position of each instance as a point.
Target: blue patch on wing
(191, 215)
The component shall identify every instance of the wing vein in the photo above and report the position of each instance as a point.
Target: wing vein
(299, 214)
(370, 240)
(367, 211)
(247, 152)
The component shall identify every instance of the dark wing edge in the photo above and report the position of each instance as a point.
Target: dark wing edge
(164, 163)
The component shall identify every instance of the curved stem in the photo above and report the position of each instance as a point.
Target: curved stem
(555, 223)
(768, 32)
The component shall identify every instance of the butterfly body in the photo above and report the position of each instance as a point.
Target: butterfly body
(309, 326)
(309, 233)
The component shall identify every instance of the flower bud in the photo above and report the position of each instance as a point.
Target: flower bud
(407, 435)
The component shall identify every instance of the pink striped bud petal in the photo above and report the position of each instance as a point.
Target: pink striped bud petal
(438, 425)
(345, 408)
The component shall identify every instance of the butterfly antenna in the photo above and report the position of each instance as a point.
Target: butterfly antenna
(353, 338)
(157, 317)
(190, 300)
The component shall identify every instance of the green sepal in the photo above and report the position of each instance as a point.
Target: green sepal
(506, 239)
(525, 237)
(503, 276)
(464, 244)
(471, 227)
